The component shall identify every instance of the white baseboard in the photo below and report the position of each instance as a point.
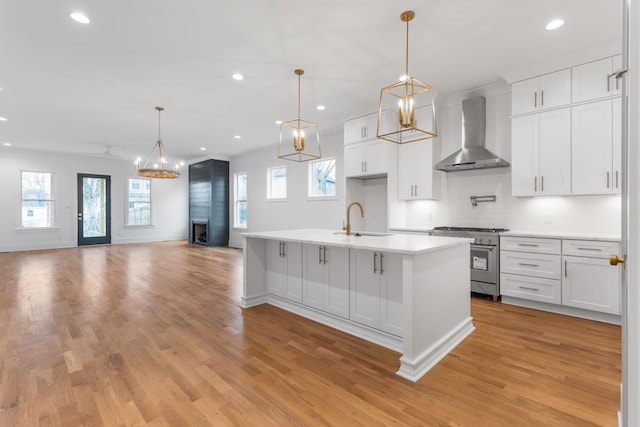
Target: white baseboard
(563, 309)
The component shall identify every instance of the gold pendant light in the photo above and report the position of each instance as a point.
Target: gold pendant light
(299, 138)
(158, 165)
(411, 102)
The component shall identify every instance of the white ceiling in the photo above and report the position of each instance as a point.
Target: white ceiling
(82, 88)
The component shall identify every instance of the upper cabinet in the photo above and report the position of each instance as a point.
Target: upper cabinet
(360, 129)
(365, 155)
(595, 80)
(548, 91)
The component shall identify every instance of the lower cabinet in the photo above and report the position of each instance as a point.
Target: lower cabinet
(284, 269)
(325, 282)
(572, 273)
(376, 290)
(588, 280)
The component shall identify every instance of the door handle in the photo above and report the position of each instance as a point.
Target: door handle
(319, 254)
(565, 268)
(614, 260)
(79, 216)
(375, 262)
(324, 254)
(542, 98)
(381, 267)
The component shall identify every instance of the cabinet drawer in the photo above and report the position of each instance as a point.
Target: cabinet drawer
(530, 244)
(590, 248)
(527, 264)
(532, 288)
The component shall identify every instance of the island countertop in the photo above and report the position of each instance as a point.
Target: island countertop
(396, 243)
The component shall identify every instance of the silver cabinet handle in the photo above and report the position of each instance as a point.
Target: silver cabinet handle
(535, 184)
(366, 166)
(324, 254)
(531, 245)
(381, 267)
(590, 249)
(617, 180)
(609, 81)
(375, 262)
(607, 179)
(542, 98)
(528, 288)
(542, 183)
(565, 268)
(535, 99)
(319, 254)
(528, 265)
(284, 252)
(281, 254)
(416, 191)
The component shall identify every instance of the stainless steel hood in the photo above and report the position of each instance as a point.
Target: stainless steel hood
(472, 155)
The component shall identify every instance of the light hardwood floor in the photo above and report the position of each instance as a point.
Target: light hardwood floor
(152, 334)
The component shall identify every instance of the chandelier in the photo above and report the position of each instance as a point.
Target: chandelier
(412, 100)
(158, 164)
(299, 138)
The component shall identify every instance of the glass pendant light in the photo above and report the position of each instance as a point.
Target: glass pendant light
(299, 138)
(410, 102)
(158, 164)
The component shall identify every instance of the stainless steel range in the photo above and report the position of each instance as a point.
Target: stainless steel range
(485, 256)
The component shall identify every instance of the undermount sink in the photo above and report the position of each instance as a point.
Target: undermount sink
(365, 233)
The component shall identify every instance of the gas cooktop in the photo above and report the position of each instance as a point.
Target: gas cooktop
(472, 229)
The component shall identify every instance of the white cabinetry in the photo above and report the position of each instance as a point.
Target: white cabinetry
(360, 129)
(325, 284)
(376, 290)
(530, 269)
(548, 91)
(595, 79)
(596, 146)
(541, 154)
(588, 281)
(416, 178)
(284, 269)
(366, 159)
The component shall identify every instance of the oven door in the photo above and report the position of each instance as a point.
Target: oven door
(484, 264)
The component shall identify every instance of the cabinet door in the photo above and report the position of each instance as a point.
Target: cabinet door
(524, 96)
(616, 144)
(392, 315)
(591, 283)
(313, 282)
(555, 89)
(592, 148)
(531, 288)
(336, 262)
(354, 160)
(364, 298)
(376, 157)
(276, 271)
(415, 170)
(369, 126)
(555, 153)
(591, 81)
(293, 264)
(524, 154)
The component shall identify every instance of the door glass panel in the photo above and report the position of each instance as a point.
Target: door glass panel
(94, 208)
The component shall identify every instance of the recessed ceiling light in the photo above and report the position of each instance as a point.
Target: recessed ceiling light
(237, 136)
(278, 122)
(202, 148)
(6, 144)
(237, 76)
(3, 119)
(556, 23)
(403, 78)
(80, 17)
(320, 107)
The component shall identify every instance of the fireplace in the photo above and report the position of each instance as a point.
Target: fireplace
(199, 232)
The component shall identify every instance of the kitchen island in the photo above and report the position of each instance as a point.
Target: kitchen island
(409, 293)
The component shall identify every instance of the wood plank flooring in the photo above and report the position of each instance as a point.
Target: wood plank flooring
(153, 335)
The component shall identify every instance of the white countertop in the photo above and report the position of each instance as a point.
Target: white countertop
(562, 235)
(397, 243)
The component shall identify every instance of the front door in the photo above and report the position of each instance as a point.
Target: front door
(94, 209)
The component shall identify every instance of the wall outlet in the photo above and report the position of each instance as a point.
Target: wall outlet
(547, 218)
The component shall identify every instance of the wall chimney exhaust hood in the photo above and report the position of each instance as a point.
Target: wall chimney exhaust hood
(472, 155)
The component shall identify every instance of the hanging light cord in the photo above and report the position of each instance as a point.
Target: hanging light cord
(406, 65)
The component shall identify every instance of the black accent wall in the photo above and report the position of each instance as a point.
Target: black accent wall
(209, 203)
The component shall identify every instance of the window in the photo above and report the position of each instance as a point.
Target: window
(240, 196)
(139, 201)
(277, 183)
(322, 178)
(37, 200)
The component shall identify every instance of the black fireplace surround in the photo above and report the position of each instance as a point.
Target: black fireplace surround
(209, 203)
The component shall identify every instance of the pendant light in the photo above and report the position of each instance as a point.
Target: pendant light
(410, 102)
(158, 164)
(299, 138)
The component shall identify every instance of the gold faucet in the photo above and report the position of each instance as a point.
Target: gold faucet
(347, 228)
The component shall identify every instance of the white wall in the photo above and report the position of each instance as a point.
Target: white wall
(578, 214)
(298, 211)
(169, 200)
